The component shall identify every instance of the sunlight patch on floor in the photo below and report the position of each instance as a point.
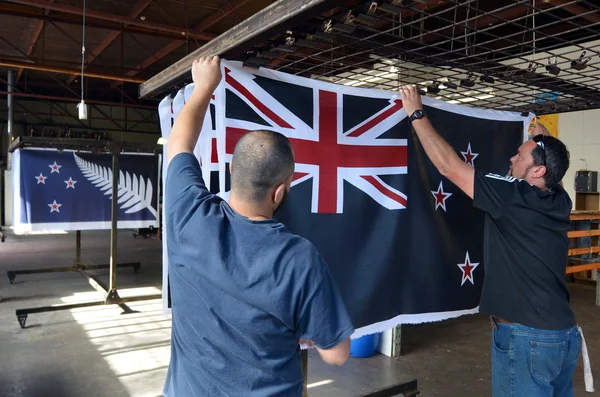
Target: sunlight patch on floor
(320, 383)
(135, 346)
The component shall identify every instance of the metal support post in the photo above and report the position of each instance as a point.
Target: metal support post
(78, 263)
(9, 124)
(112, 294)
(304, 355)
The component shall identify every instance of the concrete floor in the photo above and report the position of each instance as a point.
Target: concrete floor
(97, 351)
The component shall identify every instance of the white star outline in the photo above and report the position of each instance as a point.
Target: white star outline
(71, 183)
(54, 207)
(446, 196)
(55, 168)
(41, 179)
(469, 152)
(462, 266)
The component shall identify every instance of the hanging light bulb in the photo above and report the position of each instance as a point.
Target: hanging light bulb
(81, 106)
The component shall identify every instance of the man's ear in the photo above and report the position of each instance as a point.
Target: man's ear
(279, 192)
(230, 169)
(539, 171)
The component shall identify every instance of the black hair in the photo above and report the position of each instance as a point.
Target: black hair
(262, 160)
(554, 155)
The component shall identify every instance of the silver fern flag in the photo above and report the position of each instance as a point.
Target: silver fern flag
(69, 190)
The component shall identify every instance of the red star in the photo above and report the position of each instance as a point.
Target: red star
(440, 197)
(470, 156)
(467, 270)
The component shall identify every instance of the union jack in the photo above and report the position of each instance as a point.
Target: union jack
(328, 152)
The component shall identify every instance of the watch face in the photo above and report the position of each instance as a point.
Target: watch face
(417, 114)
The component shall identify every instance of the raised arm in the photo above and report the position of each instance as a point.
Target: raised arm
(206, 74)
(441, 154)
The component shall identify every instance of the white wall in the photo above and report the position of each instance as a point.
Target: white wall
(580, 131)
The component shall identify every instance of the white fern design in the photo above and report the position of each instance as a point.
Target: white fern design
(133, 192)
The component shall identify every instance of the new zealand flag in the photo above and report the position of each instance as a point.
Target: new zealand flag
(66, 190)
(403, 243)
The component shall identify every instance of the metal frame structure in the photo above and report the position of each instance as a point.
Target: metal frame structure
(406, 389)
(523, 55)
(110, 294)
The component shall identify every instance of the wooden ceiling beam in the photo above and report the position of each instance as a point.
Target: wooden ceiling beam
(49, 5)
(138, 8)
(271, 20)
(18, 10)
(175, 44)
(52, 69)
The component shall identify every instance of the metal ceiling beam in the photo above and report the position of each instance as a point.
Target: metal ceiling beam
(414, 51)
(48, 5)
(273, 19)
(51, 69)
(172, 46)
(139, 7)
(483, 21)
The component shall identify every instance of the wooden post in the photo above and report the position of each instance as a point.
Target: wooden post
(304, 355)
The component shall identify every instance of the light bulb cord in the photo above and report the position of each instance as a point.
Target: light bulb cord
(83, 51)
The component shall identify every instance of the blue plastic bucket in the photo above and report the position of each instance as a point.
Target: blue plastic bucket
(365, 346)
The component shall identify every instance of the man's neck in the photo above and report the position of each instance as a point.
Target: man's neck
(539, 184)
(248, 209)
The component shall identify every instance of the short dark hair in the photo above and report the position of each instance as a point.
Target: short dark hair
(554, 155)
(262, 160)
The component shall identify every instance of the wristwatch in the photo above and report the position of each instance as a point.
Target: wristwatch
(417, 114)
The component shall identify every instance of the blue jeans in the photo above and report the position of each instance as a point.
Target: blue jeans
(533, 362)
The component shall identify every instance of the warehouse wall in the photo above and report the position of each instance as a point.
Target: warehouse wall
(580, 131)
(125, 123)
